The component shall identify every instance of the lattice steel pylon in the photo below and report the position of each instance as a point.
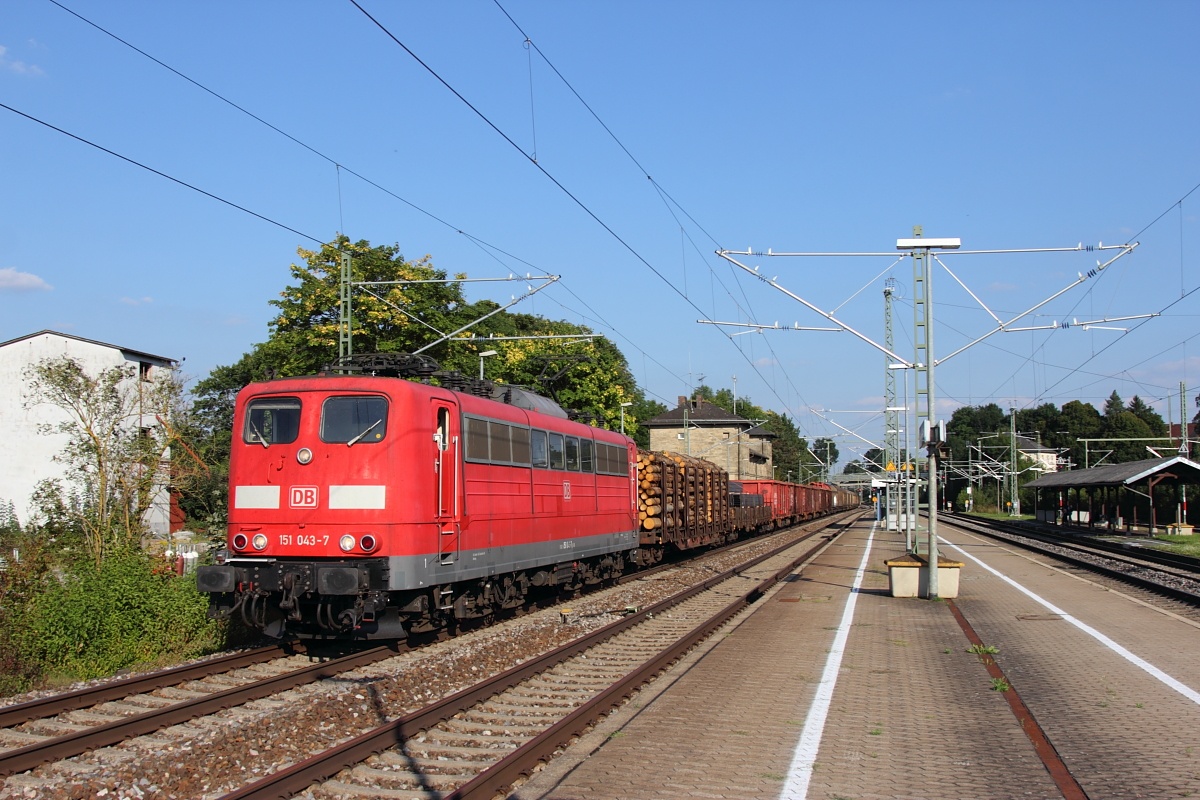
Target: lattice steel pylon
(891, 447)
(345, 320)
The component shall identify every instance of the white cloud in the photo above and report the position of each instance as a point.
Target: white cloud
(765, 362)
(1001, 287)
(131, 301)
(12, 280)
(19, 67)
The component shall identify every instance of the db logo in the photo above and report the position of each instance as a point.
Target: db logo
(566, 490)
(304, 497)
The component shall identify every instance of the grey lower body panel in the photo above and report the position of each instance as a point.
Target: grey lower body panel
(418, 572)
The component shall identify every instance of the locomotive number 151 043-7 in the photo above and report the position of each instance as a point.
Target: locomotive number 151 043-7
(303, 539)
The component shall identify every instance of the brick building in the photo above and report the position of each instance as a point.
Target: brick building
(740, 446)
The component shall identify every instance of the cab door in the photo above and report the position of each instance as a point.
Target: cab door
(447, 465)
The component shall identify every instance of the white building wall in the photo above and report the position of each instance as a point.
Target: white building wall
(27, 456)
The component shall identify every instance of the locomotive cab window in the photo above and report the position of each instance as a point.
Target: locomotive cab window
(272, 420)
(354, 419)
(585, 455)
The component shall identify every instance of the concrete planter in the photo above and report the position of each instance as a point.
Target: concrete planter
(908, 576)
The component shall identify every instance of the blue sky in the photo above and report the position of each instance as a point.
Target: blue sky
(795, 127)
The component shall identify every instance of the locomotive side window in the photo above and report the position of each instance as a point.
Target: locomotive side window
(557, 460)
(572, 454)
(477, 439)
(272, 420)
(537, 443)
(611, 459)
(354, 419)
(498, 435)
(520, 446)
(585, 455)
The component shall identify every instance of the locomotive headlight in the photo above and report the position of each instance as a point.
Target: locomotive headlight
(259, 541)
(240, 541)
(304, 455)
(367, 543)
(346, 543)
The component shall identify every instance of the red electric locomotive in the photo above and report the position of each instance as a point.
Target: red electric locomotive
(366, 506)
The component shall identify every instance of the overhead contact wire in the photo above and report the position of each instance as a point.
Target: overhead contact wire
(161, 174)
(583, 206)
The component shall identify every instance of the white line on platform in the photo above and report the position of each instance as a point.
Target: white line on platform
(1138, 661)
(800, 772)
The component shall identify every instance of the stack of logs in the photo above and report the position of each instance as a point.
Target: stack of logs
(681, 491)
(651, 495)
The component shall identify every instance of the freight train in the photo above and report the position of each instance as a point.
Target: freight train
(368, 502)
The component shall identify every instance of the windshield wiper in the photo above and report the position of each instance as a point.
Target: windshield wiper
(259, 435)
(364, 433)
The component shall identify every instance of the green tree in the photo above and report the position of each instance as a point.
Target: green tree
(118, 431)
(1127, 425)
(1148, 415)
(1078, 420)
(854, 467)
(303, 337)
(827, 452)
(1114, 405)
(875, 460)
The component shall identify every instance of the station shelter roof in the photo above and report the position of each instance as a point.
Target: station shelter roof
(1170, 471)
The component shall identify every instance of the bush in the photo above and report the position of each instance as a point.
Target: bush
(90, 621)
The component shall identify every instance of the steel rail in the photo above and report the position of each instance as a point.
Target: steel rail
(59, 747)
(1143, 583)
(73, 744)
(115, 690)
(298, 777)
(1166, 559)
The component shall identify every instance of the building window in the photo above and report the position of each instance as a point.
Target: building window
(144, 368)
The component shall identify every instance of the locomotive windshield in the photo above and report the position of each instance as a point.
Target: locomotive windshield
(354, 420)
(272, 420)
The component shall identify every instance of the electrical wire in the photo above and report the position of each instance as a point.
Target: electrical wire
(229, 203)
(1090, 289)
(664, 195)
(485, 247)
(583, 206)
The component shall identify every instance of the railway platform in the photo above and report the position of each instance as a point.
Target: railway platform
(831, 688)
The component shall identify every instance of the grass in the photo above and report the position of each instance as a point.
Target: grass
(1184, 545)
(876, 731)
(1001, 685)
(983, 649)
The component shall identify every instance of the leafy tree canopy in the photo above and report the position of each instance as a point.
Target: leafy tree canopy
(303, 338)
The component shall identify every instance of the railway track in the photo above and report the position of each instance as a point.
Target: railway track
(55, 728)
(482, 739)
(1176, 577)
